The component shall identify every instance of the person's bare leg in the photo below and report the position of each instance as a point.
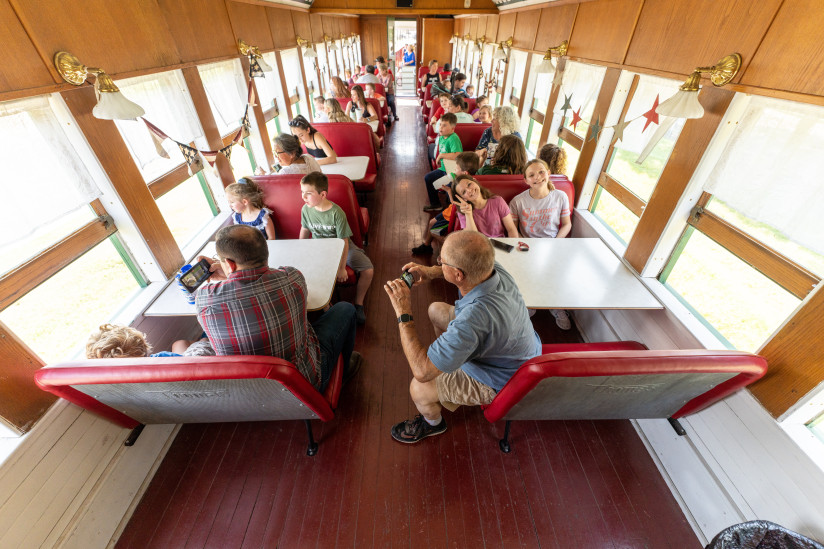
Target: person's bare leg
(441, 314)
(364, 281)
(425, 397)
(180, 346)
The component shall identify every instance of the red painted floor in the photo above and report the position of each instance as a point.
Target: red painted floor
(566, 484)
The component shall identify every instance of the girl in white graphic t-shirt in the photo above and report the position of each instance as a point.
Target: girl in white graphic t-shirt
(542, 212)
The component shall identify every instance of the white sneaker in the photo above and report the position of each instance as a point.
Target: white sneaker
(561, 319)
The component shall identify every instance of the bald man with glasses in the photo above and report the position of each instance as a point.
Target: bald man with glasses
(482, 340)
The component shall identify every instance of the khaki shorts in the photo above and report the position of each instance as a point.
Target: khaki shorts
(357, 259)
(458, 389)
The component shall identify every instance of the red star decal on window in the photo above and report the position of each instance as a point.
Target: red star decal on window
(576, 117)
(651, 115)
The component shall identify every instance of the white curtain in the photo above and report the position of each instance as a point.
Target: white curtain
(269, 87)
(226, 88)
(291, 71)
(41, 175)
(583, 82)
(772, 169)
(165, 97)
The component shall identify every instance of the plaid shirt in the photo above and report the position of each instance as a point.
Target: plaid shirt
(261, 312)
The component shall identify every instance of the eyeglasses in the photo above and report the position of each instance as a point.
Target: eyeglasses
(440, 262)
(277, 152)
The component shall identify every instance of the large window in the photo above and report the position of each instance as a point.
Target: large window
(65, 270)
(272, 100)
(752, 248)
(636, 161)
(186, 204)
(541, 86)
(515, 78)
(294, 82)
(581, 83)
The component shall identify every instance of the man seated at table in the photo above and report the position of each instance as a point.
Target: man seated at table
(482, 340)
(254, 309)
(368, 77)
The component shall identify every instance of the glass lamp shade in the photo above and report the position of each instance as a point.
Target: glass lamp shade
(546, 66)
(452, 40)
(684, 104)
(499, 54)
(115, 106)
(333, 46)
(264, 66)
(309, 53)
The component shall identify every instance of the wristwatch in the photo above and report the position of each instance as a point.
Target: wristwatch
(404, 318)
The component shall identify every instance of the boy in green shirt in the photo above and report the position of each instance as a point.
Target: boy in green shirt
(322, 218)
(449, 147)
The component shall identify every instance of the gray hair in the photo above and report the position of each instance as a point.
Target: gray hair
(471, 252)
(507, 119)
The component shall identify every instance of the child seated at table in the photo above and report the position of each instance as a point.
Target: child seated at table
(369, 91)
(480, 210)
(116, 341)
(470, 91)
(510, 157)
(447, 147)
(543, 211)
(438, 226)
(480, 102)
(322, 218)
(485, 114)
(335, 112)
(246, 201)
(320, 110)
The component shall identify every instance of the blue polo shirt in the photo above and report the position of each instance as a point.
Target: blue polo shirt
(491, 335)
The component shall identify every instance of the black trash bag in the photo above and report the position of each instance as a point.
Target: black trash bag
(761, 534)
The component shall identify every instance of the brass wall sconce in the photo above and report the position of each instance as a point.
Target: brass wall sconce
(332, 46)
(111, 104)
(503, 50)
(478, 44)
(547, 65)
(685, 104)
(255, 57)
(308, 50)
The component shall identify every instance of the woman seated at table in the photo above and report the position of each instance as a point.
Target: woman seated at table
(431, 77)
(334, 112)
(339, 89)
(314, 141)
(360, 110)
(504, 122)
(290, 156)
(510, 157)
(480, 210)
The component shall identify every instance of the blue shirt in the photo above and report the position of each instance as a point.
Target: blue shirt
(491, 335)
(408, 56)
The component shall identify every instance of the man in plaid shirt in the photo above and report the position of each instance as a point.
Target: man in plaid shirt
(257, 310)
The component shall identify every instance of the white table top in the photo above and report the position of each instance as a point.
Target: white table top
(316, 259)
(450, 165)
(573, 273)
(353, 167)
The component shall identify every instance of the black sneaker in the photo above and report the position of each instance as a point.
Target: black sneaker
(360, 314)
(423, 249)
(352, 370)
(417, 429)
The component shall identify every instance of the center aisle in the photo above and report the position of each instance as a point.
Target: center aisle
(565, 484)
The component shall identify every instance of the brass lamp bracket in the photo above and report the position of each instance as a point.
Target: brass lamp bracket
(302, 42)
(721, 73)
(508, 42)
(75, 72)
(246, 49)
(560, 49)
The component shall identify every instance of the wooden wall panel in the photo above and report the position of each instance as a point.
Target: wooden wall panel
(473, 28)
(603, 30)
(281, 27)
(492, 28)
(21, 401)
(301, 23)
(328, 25)
(435, 40)
(202, 33)
(28, 70)
(506, 26)
(94, 40)
(374, 40)
(671, 38)
(249, 22)
(556, 26)
(526, 28)
(794, 358)
(791, 57)
(316, 24)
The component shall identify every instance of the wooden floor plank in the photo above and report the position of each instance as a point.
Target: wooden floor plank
(564, 485)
